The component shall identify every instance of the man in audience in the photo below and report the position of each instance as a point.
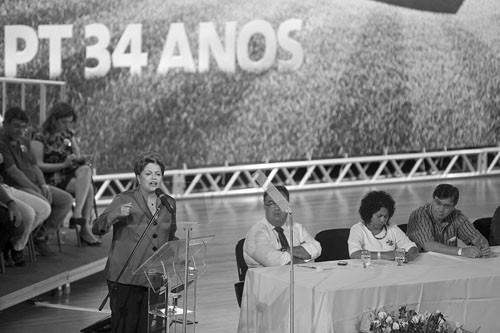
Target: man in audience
(267, 243)
(20, 170)
(438, 225)
(495, 228)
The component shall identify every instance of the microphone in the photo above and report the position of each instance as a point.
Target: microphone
(164, 200)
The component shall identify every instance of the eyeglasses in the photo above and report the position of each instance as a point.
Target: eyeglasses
(271, 204)
(439, 204)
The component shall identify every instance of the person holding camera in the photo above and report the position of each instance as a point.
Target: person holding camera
(58, 156)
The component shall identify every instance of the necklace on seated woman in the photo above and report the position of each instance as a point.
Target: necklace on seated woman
(385, 233)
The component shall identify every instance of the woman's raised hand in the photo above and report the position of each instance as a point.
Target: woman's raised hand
(124, 210)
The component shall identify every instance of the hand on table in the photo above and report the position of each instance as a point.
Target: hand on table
(471, 252)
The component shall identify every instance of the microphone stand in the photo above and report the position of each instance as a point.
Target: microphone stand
(292, 279)
(113, 288)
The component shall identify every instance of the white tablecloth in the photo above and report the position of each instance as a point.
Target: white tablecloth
(339, 298)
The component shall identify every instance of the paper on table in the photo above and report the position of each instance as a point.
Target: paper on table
(436, 254)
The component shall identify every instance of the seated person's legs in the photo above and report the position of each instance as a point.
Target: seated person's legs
(61, 206)
(34, 211)
(81, 187)
(9, 233)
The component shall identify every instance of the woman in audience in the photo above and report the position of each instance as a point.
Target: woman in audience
(128, 215)
(375, 234)
(58, 156)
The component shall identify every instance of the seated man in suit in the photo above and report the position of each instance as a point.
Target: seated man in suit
(267, 243)
(436, 226)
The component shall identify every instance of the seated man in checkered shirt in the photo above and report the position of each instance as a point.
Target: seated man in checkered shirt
(437, 226)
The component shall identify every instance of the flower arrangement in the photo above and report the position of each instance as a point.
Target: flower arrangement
(409, 321)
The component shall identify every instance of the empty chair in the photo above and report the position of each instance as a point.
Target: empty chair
(242, 270)
(333, 244)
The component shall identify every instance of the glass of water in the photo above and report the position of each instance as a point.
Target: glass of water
(366, 258)
(399, 256)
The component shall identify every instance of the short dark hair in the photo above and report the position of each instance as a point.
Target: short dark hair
(14, 113)
(145, 158)
(373, 201)
(282, 189)
(445, 191)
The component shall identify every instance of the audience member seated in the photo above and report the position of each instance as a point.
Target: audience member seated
(267, 243)
(58, 156)
(495, 228)
(32, 212)
(21, 171)
(11, 230)
(374, 232)
(437, 226)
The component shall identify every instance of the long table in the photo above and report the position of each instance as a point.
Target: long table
(331, 298)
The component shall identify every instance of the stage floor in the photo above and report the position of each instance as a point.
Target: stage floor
(228, 219)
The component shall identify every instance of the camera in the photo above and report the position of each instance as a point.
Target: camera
(79, 161)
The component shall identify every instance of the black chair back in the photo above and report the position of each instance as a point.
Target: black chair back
(403, 227)
(238, 290)
(242, 270)
(240, 260)
(333, 244)
(483, 225)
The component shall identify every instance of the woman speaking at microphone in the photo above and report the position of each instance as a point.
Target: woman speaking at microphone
(129, 214)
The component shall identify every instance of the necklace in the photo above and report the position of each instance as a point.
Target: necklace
(385, 234)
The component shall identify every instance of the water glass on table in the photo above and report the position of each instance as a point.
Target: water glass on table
(399, 256)
(366, 258)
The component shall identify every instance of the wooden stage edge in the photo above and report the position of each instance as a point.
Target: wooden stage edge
(51, 283)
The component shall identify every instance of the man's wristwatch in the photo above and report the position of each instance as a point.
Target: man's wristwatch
(459, 251)
(379, 255)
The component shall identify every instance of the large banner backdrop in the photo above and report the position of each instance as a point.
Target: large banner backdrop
(206, 82)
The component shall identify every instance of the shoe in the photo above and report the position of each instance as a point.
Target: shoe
(43, 248)
(18, 258)
(88, 242)
(74, 221)
(8, 260)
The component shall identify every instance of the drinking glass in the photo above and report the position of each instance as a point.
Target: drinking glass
(399, 256)
(366, 258)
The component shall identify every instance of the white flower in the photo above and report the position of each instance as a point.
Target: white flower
(395, 325)
(437, 311)
(414, 319)
(382, 315)
(388, 319)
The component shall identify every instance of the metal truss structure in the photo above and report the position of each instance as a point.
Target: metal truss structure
(315, 174)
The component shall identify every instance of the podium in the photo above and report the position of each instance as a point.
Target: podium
(172, 272)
